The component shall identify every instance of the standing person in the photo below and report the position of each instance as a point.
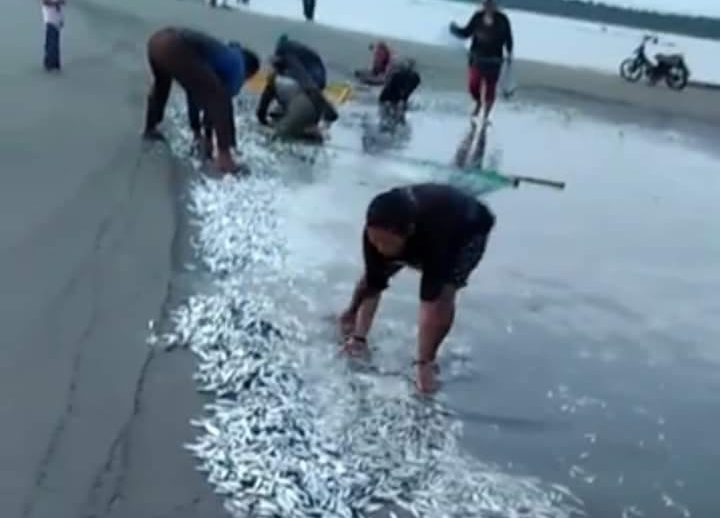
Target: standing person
(490, 31)
(210, 71)
(309, 9)
(436, 228)
(54, 21)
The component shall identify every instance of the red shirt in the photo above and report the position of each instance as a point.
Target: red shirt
(381, 58)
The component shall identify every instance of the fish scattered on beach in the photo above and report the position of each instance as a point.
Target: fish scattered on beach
(293, 432)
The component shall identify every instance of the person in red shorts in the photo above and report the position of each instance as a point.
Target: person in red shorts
(491, 32)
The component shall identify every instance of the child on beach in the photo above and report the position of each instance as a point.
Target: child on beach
(53, 18)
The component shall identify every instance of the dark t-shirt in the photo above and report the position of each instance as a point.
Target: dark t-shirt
(399, 85)
(307, 57)
(488, 41)
(446, 219)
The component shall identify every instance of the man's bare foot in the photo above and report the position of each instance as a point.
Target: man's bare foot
(425, 374)
(153, 135)
(346, 324)
(225, 163)
(355, 347)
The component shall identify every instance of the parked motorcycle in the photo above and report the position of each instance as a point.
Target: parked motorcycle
(670, 67)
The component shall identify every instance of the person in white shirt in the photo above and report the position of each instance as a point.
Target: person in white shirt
(53, 18)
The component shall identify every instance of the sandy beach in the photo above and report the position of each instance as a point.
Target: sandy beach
(93, 420)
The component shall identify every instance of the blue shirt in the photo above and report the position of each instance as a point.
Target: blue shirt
(229, 64)
(226, 61)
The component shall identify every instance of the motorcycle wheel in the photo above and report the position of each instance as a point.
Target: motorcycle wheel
(631, 70)
(677, 78)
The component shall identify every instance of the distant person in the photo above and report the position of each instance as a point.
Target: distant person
(223, 3)
(210, 71)
(301, 101)
(54, 20)
(309, 9)
(435, 228)
(400, 83)
(490, 31)
(381, 59)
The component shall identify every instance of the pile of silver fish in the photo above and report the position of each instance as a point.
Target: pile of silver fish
(293, 430)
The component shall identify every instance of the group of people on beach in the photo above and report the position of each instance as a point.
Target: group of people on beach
(213, 72)
(435, 228)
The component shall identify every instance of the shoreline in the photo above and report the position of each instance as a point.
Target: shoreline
(686, 25)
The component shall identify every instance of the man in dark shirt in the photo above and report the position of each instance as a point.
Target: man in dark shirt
(400, 82)
(435, 228)
(307, 57)
(297, 72)
(211, 72)
(490, 31)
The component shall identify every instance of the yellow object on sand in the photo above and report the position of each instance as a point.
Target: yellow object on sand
(337, 92)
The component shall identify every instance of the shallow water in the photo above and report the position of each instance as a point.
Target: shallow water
(585, 350)
(589, 328)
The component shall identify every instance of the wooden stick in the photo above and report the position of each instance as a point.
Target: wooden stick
(537, 181)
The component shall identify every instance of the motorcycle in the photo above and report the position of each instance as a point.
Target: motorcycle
(670, 67)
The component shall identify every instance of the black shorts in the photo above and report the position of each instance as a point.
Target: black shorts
(467, 258)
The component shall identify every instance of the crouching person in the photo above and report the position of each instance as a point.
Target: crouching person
(303, 107)
(400, 83)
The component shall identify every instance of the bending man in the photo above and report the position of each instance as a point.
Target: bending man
(296, 83)
(307, 57)
(432, 227)
(302, 103)
(400, 83)
(211, 72)
(490, 31)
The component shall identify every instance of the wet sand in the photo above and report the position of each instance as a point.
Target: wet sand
(93, 422)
